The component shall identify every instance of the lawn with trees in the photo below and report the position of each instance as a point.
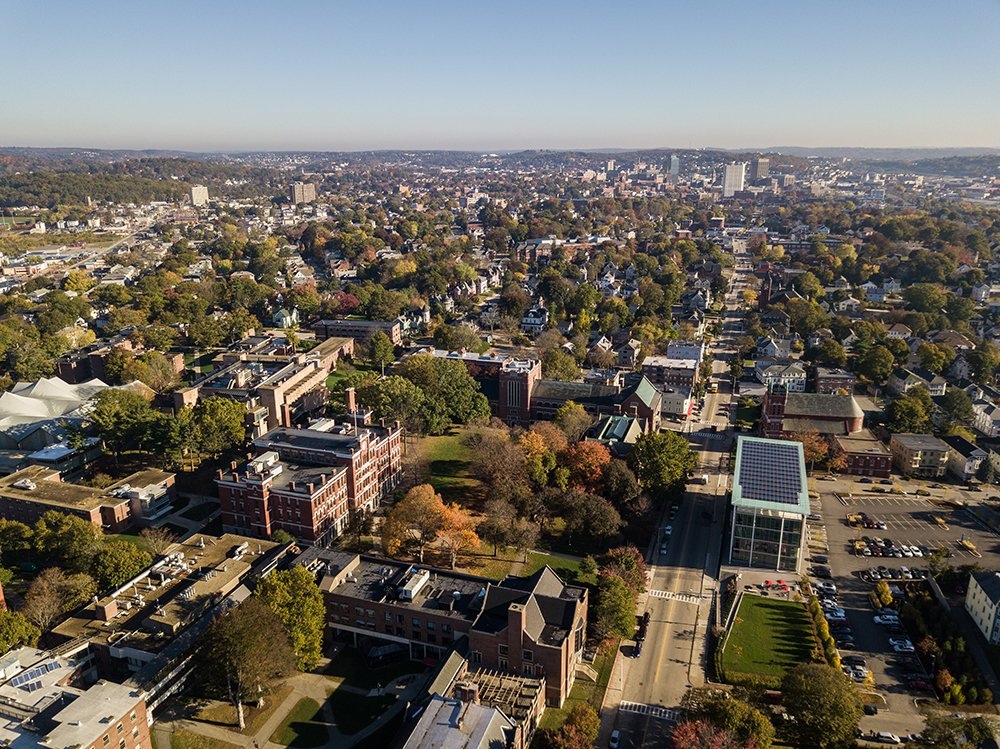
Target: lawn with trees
(768, 638)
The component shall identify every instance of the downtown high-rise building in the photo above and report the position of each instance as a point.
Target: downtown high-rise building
(734, 179)
(302, 192)
(199, 195)
(760, 168)
(675, 165)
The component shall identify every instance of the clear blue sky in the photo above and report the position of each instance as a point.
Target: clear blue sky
(363, 74)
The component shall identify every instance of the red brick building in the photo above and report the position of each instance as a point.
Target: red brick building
(784, 413)
(866, 455)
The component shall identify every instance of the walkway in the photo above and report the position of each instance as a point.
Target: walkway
(312, 685)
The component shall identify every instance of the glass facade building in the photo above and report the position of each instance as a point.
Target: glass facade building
(770, 504)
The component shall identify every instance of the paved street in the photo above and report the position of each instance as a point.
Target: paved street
(645, 692)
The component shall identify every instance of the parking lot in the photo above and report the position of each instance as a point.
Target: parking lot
(908, 520)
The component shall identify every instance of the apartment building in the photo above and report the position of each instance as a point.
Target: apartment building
(919, 455)
(360, 330)
(664, 371)
(865, 454)
(982, 601)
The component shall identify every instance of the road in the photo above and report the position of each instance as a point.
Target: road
(644, 693)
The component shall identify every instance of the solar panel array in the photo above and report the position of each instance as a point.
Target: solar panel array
(770, 472)
(32, 674)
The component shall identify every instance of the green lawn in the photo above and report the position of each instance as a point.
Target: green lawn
(304, 726)
(450, 465)
(187, 740)
(567, 569)
(768, 638)
(352, 712)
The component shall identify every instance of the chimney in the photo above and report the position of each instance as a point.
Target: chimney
(351, 401)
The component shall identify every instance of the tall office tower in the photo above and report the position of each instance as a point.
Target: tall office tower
(734, 178)
(610, 166)
(675, 165)
(199, 195)
(302, 192)
(761, 168)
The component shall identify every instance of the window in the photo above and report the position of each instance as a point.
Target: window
(502, 649)
(527, 655)
(120, 728)
(106, 740)
(476, 657)
(135, 731)
(132, 716)
(399, 618)
(430, 626)
(416, 622)
(446, 628)
(121, 744)
(388, 617)
(502, 663)
(529, 669)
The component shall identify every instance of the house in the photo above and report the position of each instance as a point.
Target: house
(892, 286)
(850, 304)
(773, 347)
(900, 332)
(790, 376)
(902, 379)
(285, 318)
(627, 355)
(919, 455)
(964, 458)
(535, 320)
(816, 337)
(617, 433)
(953, 339)
(982, 601)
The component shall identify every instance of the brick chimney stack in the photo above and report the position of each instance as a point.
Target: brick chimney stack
(352, 404)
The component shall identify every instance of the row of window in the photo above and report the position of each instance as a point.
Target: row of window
(526, 655)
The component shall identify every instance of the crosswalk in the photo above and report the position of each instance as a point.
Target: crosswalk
(672, 596)
(654, 711)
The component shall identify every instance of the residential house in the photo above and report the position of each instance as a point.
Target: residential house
(982, 602)
(900, 332)
(964, 458)
(901, 380)
(285, 318)
(790, 376)
(535, 320)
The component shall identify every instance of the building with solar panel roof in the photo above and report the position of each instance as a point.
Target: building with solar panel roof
(770, 504)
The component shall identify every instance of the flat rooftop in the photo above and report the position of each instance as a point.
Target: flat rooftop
(149, 612)
(378, 580)
(770, 475)
(863, 442)
(50, 489)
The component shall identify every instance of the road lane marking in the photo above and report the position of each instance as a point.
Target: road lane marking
(653, 711)
(672, 596)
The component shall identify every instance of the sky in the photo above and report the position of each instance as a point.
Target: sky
(228, 75)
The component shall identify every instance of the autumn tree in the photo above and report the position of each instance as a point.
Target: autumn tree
(615, 610)
(245, 653)
(590, 516)
(627, 563)
(457, 532)
(67, 540)
(814, 446)
(416, 519)
(586, 462)
(573, 420)
(380, 350)
(158, 539)
(54, 593)
(297, 601)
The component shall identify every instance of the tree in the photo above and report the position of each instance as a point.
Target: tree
(395, 398)
(457, 531)
(661, 460)
(814, 447)
(53, 593)
(416, 518)
(220, 424)
(935, 358)
(67, 540)
(281, 536)
(116, 562)
(453, 396)
(830, 352)
(558, 365)
(907, 414)
(586, 462)
(121, 418)
(79, 281)
(741, 719)
(297, 601)
(925, 297)
(946, 732)
(590, 516)
(620, 483)
(380, 350)
(877, 364)
(824, 704)
(573, 420)
(498, 525)
(578, 731)
(628, 563)
(956, 408)
(16, 630)
(158, 539)
(245, 652)
(615, 614)
(15, 537)
(702, 734)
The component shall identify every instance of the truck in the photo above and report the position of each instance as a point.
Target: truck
(700, 478)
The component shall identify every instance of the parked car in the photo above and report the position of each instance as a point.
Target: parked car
(903, 648)
(616, 739)
(900, 641)
(885, 619)
(821, 571)
(637, 649)
(870, 710)
(885, 737)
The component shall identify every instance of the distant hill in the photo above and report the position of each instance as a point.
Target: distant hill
(884, 154)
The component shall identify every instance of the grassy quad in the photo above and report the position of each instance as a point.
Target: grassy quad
(768, 638)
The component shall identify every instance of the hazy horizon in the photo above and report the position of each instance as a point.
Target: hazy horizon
(231, 77)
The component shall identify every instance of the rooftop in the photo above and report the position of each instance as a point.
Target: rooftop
(822, 405)
(770, 475)
(920, 442)
(863, 442)
(151, 609)
(449, 723)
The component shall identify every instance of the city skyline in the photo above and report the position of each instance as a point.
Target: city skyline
(231, 77)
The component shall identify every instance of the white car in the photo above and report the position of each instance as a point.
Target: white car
(836, 613)
(916, 551)
(667, 530)
(907, 551)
